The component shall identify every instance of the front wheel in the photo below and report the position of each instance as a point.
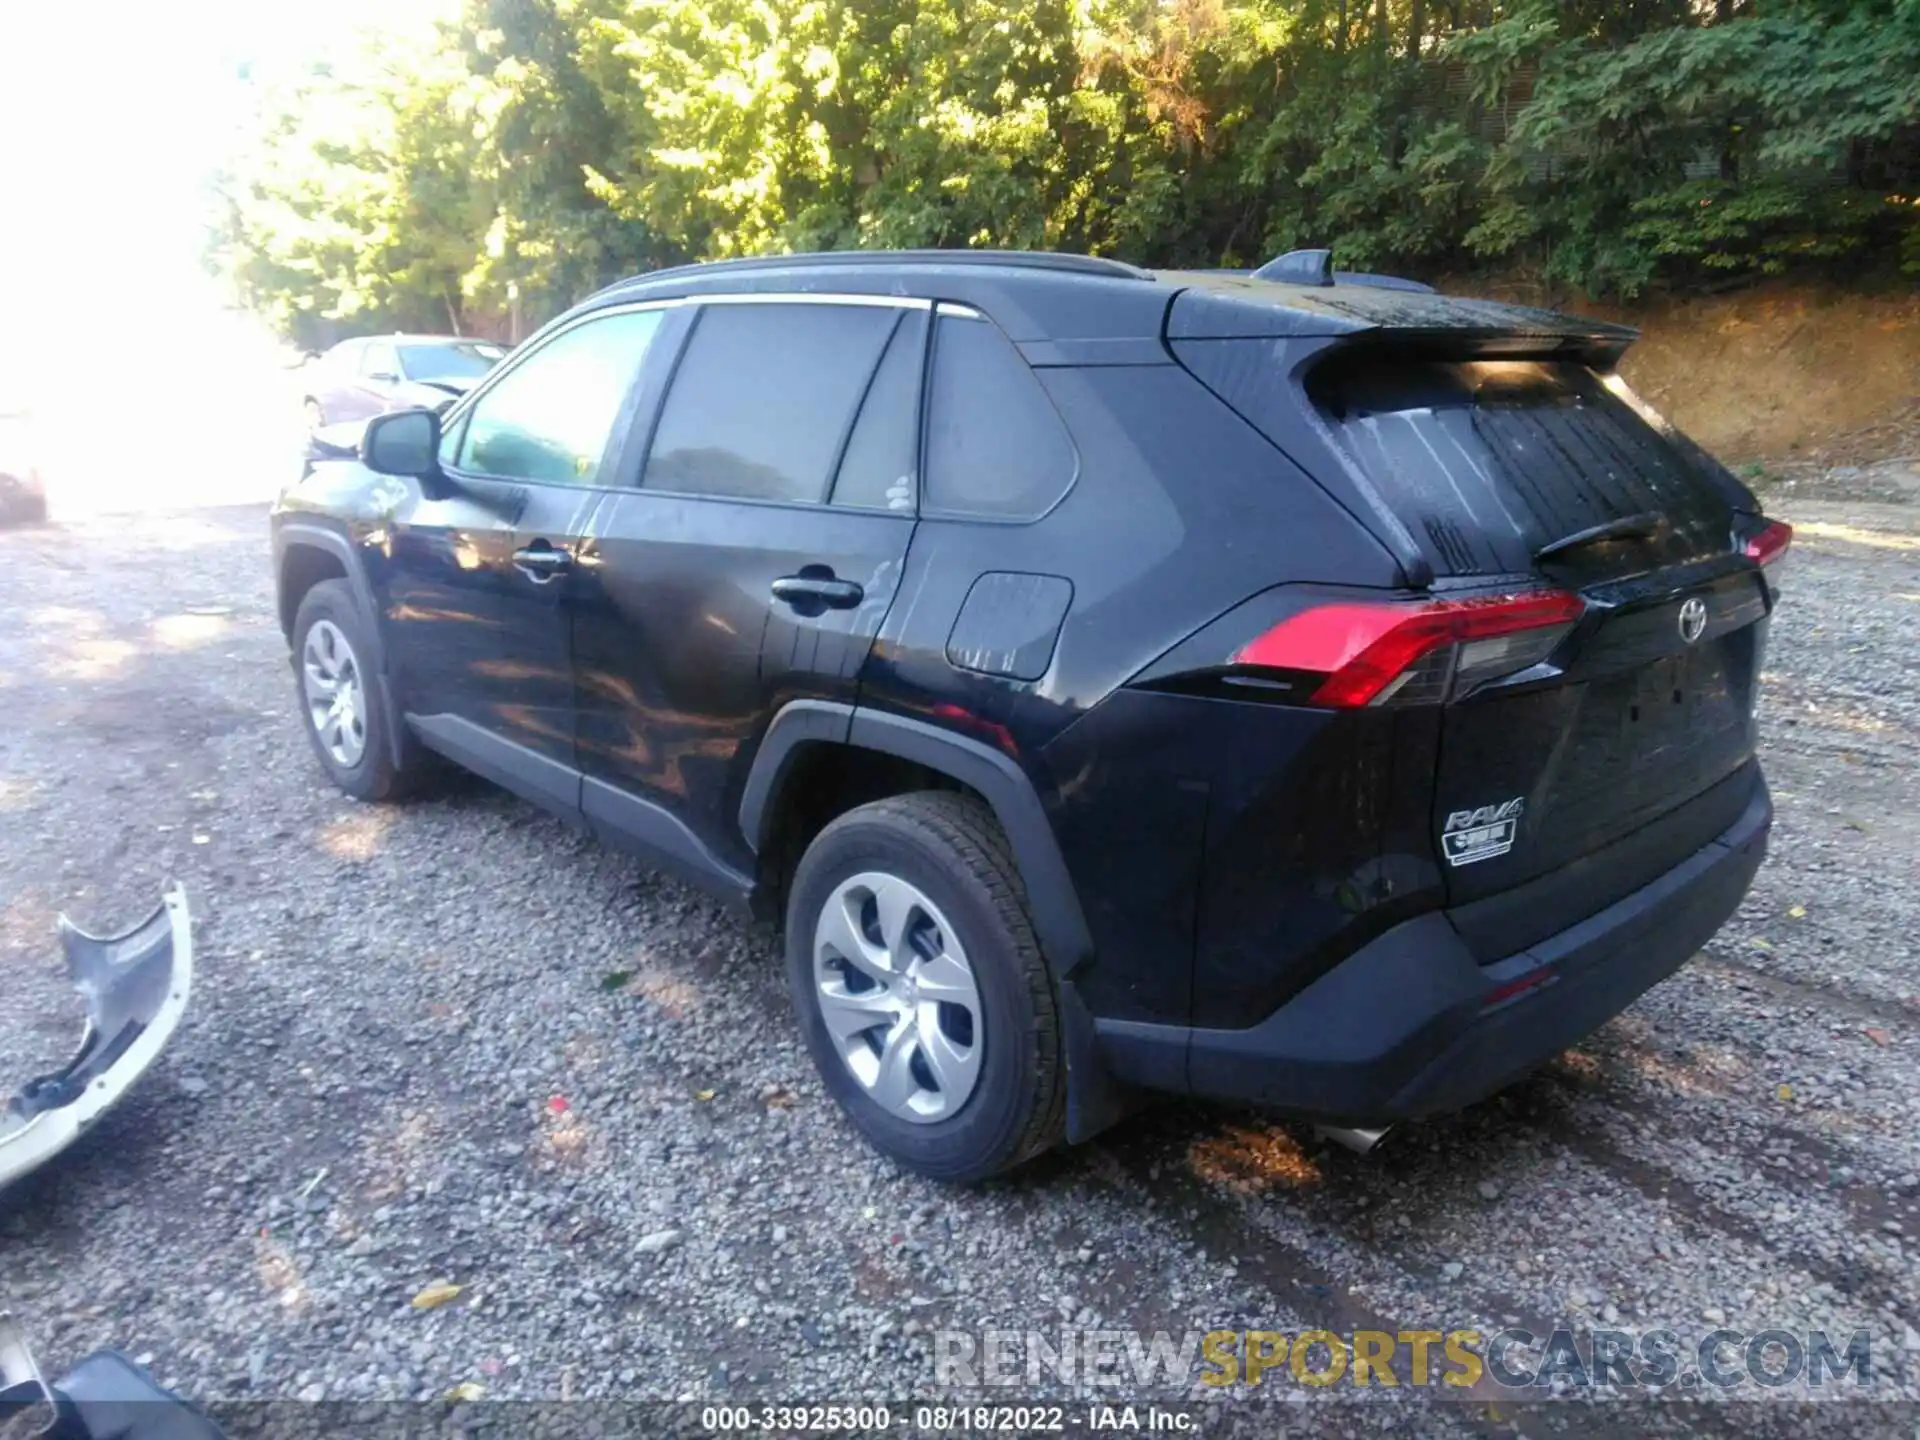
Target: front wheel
(921, 990)
(339, 702)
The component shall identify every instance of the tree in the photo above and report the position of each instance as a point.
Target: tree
(529, 151)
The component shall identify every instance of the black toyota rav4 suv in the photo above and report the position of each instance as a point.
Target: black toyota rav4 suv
(1309, 691)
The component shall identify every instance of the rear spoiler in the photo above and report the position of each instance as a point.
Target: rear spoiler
(1300, 296)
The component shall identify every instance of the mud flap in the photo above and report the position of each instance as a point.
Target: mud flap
(136, 986)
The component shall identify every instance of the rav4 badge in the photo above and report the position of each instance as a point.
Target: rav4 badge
(1471, 835)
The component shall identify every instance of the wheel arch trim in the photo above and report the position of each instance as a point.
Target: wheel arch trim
(999, 779)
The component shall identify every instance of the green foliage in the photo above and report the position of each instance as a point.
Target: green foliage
(1768, 226)
(529, 151)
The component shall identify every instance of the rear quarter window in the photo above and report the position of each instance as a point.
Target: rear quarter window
(996, 447)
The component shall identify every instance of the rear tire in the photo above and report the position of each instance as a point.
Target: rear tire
(340, 695)
(980, 1096)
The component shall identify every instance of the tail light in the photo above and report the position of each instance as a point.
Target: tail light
(1769, 542)
(1413, 653)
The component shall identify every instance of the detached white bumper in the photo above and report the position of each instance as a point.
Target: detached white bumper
(136, 986)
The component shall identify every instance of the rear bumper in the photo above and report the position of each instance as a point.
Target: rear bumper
(1412, 1025)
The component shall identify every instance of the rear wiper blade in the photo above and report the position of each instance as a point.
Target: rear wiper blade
(1628, 527)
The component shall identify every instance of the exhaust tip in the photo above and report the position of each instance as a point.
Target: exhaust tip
(1356, 1140)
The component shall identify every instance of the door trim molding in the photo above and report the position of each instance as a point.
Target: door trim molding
(614, 816)
(623, 819)
(551, 784)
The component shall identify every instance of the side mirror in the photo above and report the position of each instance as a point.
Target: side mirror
(405, 442)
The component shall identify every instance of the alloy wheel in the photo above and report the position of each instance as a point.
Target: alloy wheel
(330, 680)
(899, 997)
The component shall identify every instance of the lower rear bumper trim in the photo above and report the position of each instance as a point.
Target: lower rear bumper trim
(1402, 1028)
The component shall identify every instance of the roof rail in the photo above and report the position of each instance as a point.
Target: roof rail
(828, 259)
(1315, 267)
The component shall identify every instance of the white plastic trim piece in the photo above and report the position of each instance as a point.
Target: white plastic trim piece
(50, 1132)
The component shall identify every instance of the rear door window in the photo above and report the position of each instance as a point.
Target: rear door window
(877, 470)
(996, 447)
(763, 401)
(1486, 461)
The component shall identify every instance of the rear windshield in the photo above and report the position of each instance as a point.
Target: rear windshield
(1486, 461)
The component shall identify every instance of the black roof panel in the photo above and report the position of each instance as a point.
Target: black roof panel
(1032, 296)
(1039, 296)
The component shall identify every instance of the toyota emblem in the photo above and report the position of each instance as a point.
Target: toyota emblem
(1693, 619)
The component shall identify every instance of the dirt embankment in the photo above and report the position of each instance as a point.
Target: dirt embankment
(1779, 371)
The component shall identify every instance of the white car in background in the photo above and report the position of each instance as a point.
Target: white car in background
(358, 379)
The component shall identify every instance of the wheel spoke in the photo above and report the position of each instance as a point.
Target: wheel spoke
(953, 1067)
(896, 903)
(945, 978)
(849, 1013)
(320, 685)
(894, 1085)
(839, 934)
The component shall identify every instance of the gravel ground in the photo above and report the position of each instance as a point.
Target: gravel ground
(453, 1041)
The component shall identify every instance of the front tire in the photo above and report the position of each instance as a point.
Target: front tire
(921, 990)
(339, 694)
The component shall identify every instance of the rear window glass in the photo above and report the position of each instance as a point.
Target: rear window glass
(996, 447)
(764, 398)
(1486, 461)
(876, 473)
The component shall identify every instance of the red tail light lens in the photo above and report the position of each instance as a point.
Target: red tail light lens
(1769, 542)
(1371, 654)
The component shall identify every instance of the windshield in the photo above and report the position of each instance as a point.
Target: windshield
(455, 360)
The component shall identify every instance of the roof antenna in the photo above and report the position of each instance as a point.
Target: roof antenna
(1299, 267)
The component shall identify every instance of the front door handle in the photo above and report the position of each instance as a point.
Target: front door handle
(815, 589)
(540, 562)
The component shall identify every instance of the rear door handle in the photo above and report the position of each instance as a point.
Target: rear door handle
(540, 562)
(810, 594)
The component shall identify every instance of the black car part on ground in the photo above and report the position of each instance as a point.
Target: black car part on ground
(104, 1397)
